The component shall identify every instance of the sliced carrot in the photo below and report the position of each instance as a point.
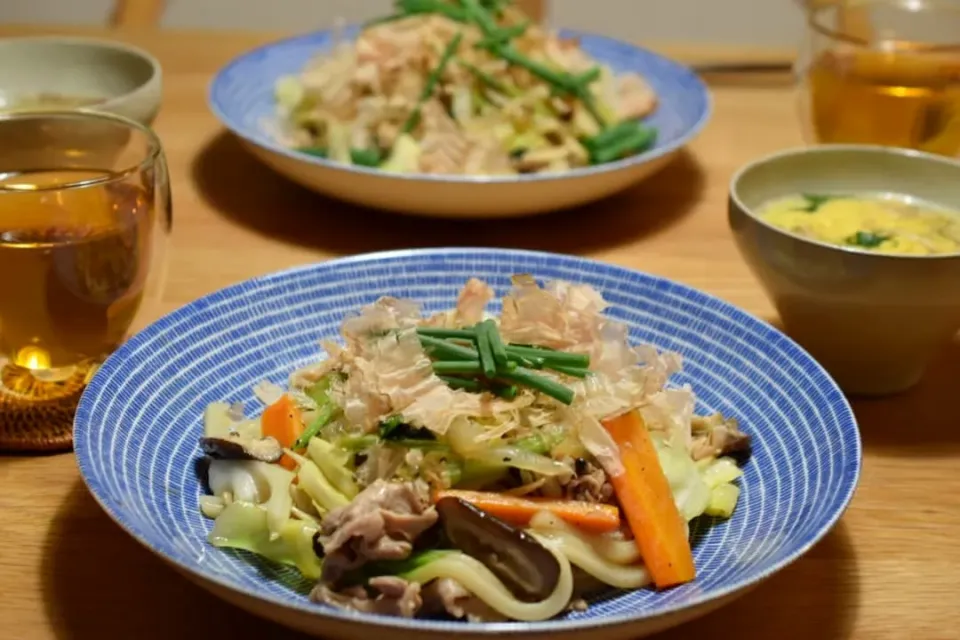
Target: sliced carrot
(589, 516)
(647, 501)
(283, 421)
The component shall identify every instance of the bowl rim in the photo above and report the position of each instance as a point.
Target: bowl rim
(156, 69)
(264, 142)
(845, 415)
(821, 149)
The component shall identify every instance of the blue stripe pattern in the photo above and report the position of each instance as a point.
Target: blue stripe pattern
(242, 98)
(138, 422)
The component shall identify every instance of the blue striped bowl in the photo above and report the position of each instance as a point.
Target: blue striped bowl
(241, 96)
(138, 423)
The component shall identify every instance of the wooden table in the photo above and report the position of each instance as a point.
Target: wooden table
(886, 571)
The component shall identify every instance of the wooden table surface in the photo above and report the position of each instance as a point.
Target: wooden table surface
(887, 571)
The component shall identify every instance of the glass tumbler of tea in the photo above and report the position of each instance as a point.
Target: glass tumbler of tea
(85, 215)
(883, 72)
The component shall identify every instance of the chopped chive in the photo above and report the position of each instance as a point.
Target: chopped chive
(867, 239)
(485, 78)
(576, 372)
(496, 343)
(457, 366)
(529, 363)
(591, 105)
(550, 357)
(544, 385)
(507, 392)
(455, 334)
(611, 134)
(486, 352)
(482, 18)
(316, 152)
(587, 77)
(640, 140)
(432, 80)
(815, 201)
(505, 34)
(448, 350)
(462, 383)
(324, 416)
(415, 7)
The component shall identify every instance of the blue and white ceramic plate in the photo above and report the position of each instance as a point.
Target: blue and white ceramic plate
(138, 425)
(242, 97)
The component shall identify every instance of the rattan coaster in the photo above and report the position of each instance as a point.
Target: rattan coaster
(37, 417)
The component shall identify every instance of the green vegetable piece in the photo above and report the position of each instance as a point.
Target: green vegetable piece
(242, 525)
(415, 443)
(317, 486)
(576, 372)
(487, 79)
(325, 414)
(507, 392)
(396, 428)
(447, 350)
(612, 134)
(332, 463)
(319, 391)
(588, 77)
(591, 105)
(354, 444)
(454, 334)
(504, 35)
(867, 239)
(390, 425)
(487, 361)
(500, 358)
(815, 201)
(536, 443)
(462, 383)
(545, 385)
(482, 18)
(366, 157)
(317, 152)
(417, 7)
(403, 567)
(362, 157)
(432, 81)
(549, 356)
(446, 367)
(562, 81)
(629, 145)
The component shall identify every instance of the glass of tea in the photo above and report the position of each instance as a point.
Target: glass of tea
(883, 72)
(85, 214)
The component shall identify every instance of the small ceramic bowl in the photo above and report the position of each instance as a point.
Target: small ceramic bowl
(873, 320)
(116, 77)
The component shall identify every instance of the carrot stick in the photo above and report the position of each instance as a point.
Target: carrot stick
(588, 516)
(283, 421)
(647, 501)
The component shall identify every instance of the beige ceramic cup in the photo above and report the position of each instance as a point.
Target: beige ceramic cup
(874, 321)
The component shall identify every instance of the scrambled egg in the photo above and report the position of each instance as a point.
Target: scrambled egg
(881, 224)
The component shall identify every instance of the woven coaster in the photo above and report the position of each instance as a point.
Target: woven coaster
(38, 416)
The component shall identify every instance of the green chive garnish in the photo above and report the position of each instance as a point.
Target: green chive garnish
(544, 385)
(444, 367)
(462, 383)
(486, 352)
(549, 356)
(444, 349)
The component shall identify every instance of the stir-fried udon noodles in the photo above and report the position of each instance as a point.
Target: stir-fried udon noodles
(463, 87)
(471, 465)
